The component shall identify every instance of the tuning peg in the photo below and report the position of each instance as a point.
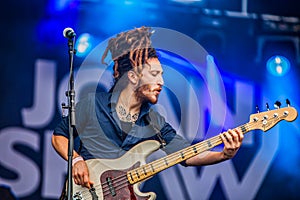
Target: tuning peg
(277, 104)
(267, 105)
(257, 109)
(288, 102)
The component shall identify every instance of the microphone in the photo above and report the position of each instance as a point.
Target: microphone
(69, 33)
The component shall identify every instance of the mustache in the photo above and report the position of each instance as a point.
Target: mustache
(149, 88)
(157, 89)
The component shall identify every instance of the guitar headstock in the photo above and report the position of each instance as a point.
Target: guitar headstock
(266, 120)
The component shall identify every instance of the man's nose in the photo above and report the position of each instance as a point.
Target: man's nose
(160, 81)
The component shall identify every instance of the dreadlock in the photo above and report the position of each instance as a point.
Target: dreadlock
(130, 51)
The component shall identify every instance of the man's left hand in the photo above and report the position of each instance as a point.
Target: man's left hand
(232, 140)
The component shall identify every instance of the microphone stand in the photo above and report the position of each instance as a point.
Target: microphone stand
(71, 107)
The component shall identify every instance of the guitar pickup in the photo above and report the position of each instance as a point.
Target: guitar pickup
(110, 186)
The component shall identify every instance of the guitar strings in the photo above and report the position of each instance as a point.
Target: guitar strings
(122, 181)
(189, 151)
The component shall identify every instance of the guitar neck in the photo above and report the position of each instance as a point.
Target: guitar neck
(154, 167)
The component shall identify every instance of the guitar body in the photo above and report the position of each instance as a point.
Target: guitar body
(110, 179)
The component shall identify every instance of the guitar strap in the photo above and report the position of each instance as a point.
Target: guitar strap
(161, 139)
(153, 117)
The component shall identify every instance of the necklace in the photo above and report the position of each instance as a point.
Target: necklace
(127, 117)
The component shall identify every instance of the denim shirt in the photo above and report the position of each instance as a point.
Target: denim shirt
(99, 130)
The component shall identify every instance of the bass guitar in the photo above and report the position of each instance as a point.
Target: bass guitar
(119, 179)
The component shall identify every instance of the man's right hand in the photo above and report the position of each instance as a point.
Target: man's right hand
(80, 173)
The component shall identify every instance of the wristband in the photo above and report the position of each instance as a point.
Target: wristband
(77, 159)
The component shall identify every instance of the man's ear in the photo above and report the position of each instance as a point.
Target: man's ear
(133, 77)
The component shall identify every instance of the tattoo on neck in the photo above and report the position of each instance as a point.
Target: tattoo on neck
(127, 117)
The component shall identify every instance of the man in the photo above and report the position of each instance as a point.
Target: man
(110, 124)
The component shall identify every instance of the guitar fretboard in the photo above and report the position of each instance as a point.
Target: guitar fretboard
(154, 167)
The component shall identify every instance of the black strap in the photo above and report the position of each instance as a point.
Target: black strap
(156, 129)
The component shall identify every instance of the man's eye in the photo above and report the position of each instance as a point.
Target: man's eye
(155, 73)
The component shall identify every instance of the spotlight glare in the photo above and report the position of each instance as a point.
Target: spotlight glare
(83, 44)
(278, 65)
(277, 60)
(279, 69)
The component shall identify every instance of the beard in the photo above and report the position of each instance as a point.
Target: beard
(148, 94)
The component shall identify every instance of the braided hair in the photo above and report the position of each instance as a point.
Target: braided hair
(130, 51)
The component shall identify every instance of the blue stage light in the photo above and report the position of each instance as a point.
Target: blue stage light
(83, 44)
(278, 65)
(55, 6)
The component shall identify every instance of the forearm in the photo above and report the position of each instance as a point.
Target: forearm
(80, 170)
(60, 144)
(207, 158)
